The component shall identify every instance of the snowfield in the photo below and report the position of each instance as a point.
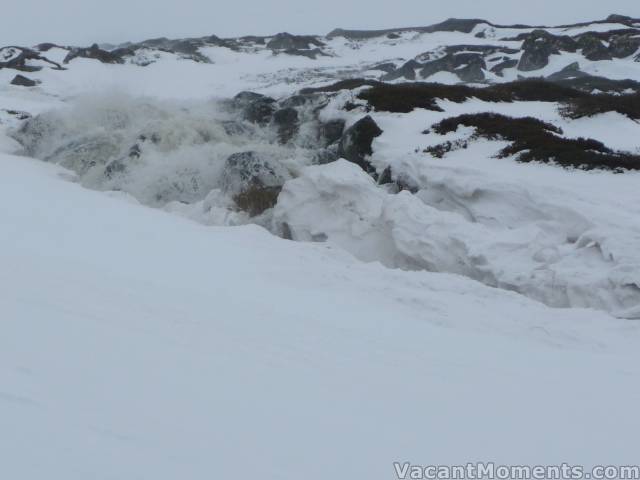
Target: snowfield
(214, 263)
(136, 344)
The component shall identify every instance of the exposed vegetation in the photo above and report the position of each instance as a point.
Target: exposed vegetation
(576, 100)
(534, 140)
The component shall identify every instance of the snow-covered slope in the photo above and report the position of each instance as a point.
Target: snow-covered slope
(291, 257)
(136, 344)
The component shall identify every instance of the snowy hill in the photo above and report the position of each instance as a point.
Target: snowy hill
(312, 256)
(137, 344)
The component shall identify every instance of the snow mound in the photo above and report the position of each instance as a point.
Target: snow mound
(496, 234)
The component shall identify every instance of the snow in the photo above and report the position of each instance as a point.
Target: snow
(489, 316)
(137, 344)
(486, 227)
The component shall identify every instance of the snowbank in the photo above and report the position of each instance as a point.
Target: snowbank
(493, 232)
(138, 344)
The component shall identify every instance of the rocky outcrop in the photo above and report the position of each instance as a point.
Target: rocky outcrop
(407, 71)
(287, 41)
(300, 45)
(593, 48)
(539, 45)
(451, 25)
(569, 72)
(469, 67)
(355, 144)
(93, 52)
(24, 59)
(468, 62)
(503, 65)
(622, 46)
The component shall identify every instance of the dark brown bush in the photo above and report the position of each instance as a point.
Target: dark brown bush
(534, 140)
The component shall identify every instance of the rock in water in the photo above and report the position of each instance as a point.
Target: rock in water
(255, 107)
(355, 144)
(253, 181)
(287, 122)
(331, 131)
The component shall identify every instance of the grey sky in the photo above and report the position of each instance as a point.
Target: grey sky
(85, 21)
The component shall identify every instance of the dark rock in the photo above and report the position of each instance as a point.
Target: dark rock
(287, 41)
(450, 25)
(385, 177)
(299, 45)
(255, 200)
(408, 71)
(331, 131)
(570, 71)
(484, 49)
(386, 67)
(23, 81)
(312, 53)
(464, 25)
(287, 122)
(355, 144)
(255, 107)
(303, 100)
(93, 52)
(499, 68)
(253, 181)
(539, 45)
(614, 18)
(393, 36)
(622, 46)
(18, 58)
(593, 48)
(45, 47)
(467, 66)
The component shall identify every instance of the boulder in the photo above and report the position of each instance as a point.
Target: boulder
(255, 107)
(570, 71)
(408, 71)
(287, 122)
(499, 68)
(593, 48)
(287, 41)
(622, 46)
(539, 45)
(330, 132)
(355, 144)
(253, 180)
(23, 81)
(469, 67)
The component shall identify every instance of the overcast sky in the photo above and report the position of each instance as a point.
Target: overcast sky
(85, 21)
